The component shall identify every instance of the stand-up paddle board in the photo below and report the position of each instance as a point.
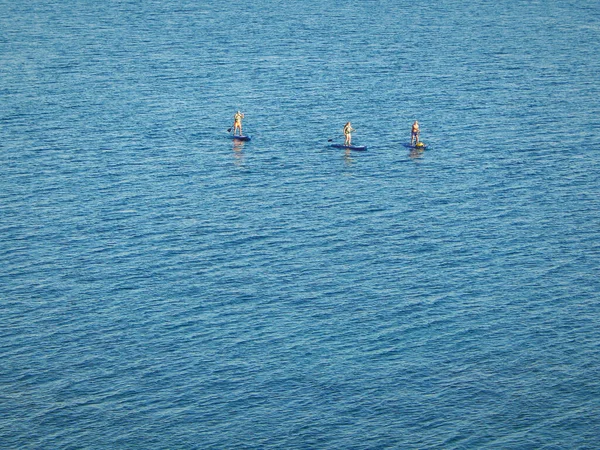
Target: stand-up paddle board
(240, 137)
(419, 146)
(350, 147)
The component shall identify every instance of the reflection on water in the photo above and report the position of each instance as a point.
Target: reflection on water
(348, 160)
(416, 153)
(238, 154)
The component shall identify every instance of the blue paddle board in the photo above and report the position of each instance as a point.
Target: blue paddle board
(417, 147)
(350, 147)
(240, 137)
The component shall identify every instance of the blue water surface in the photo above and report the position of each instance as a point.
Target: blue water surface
(163, 286)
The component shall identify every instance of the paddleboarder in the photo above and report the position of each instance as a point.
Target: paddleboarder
(348, 133)
(414, 133)
(237, 122)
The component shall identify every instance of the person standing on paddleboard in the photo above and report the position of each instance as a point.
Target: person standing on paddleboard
(348, 133)
(237, 122)
(414, 133)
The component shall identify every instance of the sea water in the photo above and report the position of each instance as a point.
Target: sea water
(163, 286)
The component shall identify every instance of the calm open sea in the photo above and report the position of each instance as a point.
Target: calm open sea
(165, 287)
